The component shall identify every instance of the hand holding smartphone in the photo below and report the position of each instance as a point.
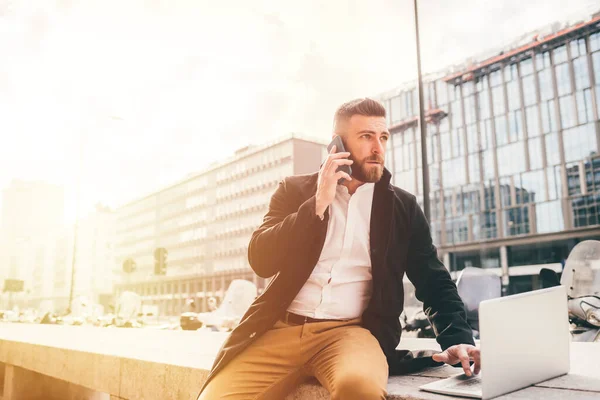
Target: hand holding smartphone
(339, 148)
(333, 171)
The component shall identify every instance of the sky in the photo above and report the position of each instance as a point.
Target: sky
(129, 96)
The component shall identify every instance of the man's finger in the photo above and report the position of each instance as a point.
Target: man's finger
(342, 161)
(333, 149)
(464, 361)
(341, 154)
(333, 165)
(440, 357)
(475, 354)
(342, 174)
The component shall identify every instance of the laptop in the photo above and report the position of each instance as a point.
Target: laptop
(524, 340)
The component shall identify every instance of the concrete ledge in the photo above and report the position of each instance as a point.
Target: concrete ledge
(105, 363)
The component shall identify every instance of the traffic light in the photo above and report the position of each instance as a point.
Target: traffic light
(160, 261)
(129, 265)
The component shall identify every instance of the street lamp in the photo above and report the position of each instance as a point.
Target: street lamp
(422, 126)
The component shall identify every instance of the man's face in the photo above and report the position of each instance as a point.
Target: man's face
(366, 139)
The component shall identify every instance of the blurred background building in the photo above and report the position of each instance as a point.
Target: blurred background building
(205, 223)
(512, 151)
(31, 212)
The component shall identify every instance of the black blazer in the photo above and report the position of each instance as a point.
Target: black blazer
(287, 247)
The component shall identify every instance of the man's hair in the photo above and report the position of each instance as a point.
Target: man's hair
(363, 106)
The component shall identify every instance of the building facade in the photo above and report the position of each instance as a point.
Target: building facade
(512, 144)
(205, 223)
(31, 211)
(95, 257)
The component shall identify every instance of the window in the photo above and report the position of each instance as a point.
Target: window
(579, 142)
(457, 230)
(515, 126)
(596, 66)
(505, 192)
(441, 92)
(456, 113)
(568, 117)
(511, 159)
(408, 158)
(573, 179)
(498, 100)
(526, 67)
(529, 94)
(560, 54)
(454, 172)
(501, 132)
(514, 97)
(516, 221)
(533, 187)
(533, 122)
(474, 168)
(542, 61)
(483, 101)
(470, 199)
(535, 153)
(554, 182)
(545, 84)
(549, 217)
(467, 89)
(487, 141)
(548, 114)
(396, 109)
(489, 190)
(488, 164)
(582, 76)
(446, 149)
(592, 174)
(457, 142)
(432, 154)
(563, 79)
(584, 106)
(595, 41)
(577, 47)
(586, 211)
(472, 145)
(496, 78)
(470, 110)
(552, 149)
(510, 72)
(481, 83)
(484, 227)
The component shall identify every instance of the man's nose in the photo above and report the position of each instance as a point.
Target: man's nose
(378, 148)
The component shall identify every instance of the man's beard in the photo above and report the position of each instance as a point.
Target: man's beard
(365, 172)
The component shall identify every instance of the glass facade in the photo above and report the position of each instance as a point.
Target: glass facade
(516, 153)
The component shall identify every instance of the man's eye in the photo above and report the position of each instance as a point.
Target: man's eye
(385, 138)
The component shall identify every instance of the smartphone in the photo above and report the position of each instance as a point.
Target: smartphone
(339, 148)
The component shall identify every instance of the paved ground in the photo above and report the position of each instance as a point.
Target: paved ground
(197, 349)
(192, 348)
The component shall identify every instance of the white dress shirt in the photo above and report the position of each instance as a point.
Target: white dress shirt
(340, 285)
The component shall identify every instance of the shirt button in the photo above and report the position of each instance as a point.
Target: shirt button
(253, 334)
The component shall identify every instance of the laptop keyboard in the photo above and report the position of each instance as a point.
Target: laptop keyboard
(471, 384)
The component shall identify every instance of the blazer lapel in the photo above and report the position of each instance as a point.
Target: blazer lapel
(381, 224)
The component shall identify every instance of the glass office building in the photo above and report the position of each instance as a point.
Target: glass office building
(512, 154)
(205, 222)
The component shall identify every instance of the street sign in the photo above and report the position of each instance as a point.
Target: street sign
(13, 285)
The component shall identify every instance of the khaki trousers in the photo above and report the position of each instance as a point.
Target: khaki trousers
(342, 355)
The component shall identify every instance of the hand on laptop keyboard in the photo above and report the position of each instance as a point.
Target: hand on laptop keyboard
(462, 353)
